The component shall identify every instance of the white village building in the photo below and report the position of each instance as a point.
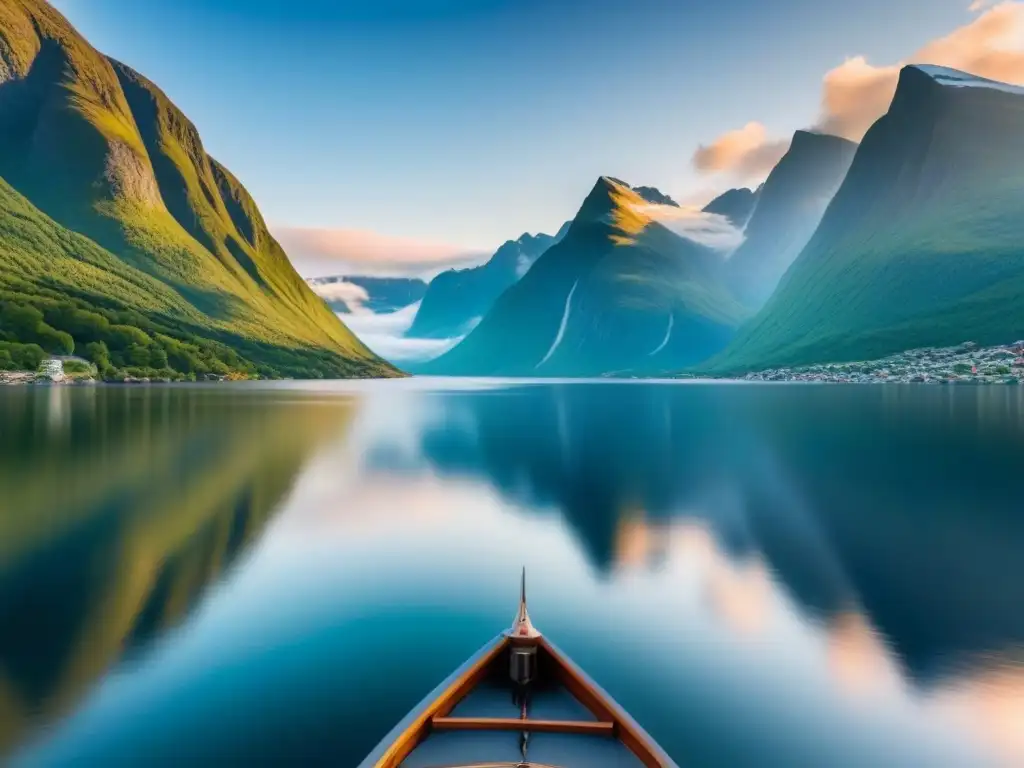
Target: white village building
(52, 369)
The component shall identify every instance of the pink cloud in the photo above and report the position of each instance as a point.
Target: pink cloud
(323, 252)
(856, 93)
(745, 153)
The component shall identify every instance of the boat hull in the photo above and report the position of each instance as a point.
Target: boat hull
(473, 718)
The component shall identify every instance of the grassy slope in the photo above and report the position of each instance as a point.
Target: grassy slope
(922, 245)
(103, 152)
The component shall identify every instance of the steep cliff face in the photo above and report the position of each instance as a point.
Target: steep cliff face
(789, 207)
(921, 245)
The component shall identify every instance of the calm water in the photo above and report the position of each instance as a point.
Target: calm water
(761, 575)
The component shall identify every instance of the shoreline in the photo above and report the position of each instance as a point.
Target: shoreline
(966, 364)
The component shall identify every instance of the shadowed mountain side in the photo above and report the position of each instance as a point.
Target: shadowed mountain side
(457, 298)
(769, 471)
(788, 208)
(736, 205)
(920, 246)
(100, 151)
(620, 293)
(916, 576)
(110, 538)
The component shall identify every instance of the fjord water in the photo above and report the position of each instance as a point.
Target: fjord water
(781, 575)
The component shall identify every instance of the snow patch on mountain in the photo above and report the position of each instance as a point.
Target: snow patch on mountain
(957, 79)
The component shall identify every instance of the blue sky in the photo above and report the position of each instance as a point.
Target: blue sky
(467, 122)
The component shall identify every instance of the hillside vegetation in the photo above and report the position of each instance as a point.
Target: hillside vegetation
(113, 216)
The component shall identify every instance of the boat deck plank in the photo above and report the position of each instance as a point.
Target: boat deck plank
(531, 725)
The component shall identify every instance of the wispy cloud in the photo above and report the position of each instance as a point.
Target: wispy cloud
(856, 93)
(324, 252)
(353, 296)
(708, 229)
(385, 335)
(746, 152)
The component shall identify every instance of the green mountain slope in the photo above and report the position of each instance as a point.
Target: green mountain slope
(921, 246)
(620, 293)
(102, 152)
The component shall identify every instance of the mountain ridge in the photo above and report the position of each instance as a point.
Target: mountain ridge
(99, 150)
(619, 293)
(789, 207)
(920, 246)
(457, 298)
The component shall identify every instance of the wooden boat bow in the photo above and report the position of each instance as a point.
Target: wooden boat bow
(519, 702)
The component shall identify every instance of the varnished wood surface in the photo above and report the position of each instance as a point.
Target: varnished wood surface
(528, 725)
(611, 720)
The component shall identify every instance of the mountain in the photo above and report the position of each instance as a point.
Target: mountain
(380, 295)
(110, 206)
(456, 299)
(653, 195)
(736, 205)
(789, 207)
(619, 293)
(921, 245)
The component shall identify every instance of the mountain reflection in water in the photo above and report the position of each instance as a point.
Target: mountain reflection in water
(889, 517)
(119, 508)
(828, 575)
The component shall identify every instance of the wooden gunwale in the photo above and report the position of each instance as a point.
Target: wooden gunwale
(442, 705)
(600, 704)
(434, 712)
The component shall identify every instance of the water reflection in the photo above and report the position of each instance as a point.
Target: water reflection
(830, 576)
(890, 517)
(118, 511)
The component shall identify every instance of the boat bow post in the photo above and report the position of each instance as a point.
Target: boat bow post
(524, 640)
(596, 731)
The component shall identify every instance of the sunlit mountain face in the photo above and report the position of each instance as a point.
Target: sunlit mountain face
(828, 574)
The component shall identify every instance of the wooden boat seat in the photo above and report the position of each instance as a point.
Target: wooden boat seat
(530, 725)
